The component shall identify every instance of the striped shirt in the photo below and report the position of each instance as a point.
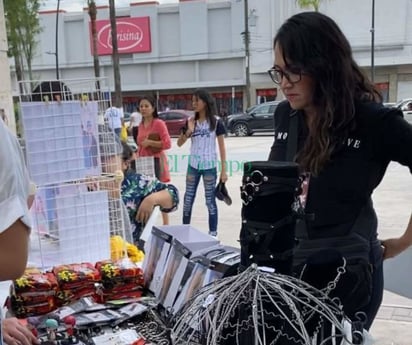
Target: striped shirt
(203, 153)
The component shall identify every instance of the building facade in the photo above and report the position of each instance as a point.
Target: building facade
(393, 39)
(191, 44)
(171, 49)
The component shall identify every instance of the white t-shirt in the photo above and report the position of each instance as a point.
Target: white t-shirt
(135, 119)
(15, 183)
(113, 116)
(203, 154)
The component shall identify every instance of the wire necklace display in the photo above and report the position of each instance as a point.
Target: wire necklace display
(261, 307)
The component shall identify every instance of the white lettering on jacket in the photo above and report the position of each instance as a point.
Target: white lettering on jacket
(355, 143)
(282, 135)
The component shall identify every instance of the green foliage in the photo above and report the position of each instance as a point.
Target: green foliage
(23, 27)
(313, 4)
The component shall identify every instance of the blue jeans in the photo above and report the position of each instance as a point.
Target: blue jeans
(209, 181)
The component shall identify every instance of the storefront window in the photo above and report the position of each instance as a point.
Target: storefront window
(225, 104)
(384, 90)
(266, 95)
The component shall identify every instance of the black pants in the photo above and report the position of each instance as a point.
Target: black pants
(135, 132)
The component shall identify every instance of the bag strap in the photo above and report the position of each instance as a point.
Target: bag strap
(292, 145)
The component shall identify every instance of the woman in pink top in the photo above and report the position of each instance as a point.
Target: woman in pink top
(153, 139)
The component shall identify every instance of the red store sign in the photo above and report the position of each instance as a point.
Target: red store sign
(133, 36)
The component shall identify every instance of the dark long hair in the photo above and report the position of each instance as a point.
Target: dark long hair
(152, 101)
(210, 107)
(313, 42)
(127, 154)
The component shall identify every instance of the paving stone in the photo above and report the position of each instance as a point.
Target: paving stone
(401, 312)
(402, 318)
(385, 313)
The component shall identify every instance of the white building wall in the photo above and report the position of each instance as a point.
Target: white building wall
(199, 43)
(193, 44)
(393, 37)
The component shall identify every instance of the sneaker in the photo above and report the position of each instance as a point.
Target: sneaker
(213, 233)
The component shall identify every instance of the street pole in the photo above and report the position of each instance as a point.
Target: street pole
(57, 40)
(247, 52)
(373, 43)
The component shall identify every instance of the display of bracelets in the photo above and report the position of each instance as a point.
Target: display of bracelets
(153, 329)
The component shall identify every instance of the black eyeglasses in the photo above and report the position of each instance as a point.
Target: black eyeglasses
(293, 76)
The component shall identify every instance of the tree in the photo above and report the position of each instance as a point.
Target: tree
(23, 27)
(118, 102)
(309, 4)
(92, 10)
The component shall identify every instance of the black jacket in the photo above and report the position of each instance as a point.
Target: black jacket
(345, 185)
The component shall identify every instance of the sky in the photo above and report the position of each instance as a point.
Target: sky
(77, 5)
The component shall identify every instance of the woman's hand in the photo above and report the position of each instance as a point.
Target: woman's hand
(394, 246)
(146, 143)
(14, 333)
(146, 208)
(223, 176)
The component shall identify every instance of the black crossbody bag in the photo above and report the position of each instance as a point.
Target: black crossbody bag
(267, 237)
(319, 259)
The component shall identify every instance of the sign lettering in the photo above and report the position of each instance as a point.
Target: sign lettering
(133, 36)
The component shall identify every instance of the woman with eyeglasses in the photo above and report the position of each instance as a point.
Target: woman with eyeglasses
(343, 139)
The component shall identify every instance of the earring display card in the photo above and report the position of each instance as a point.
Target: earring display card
(124, 337)
(187, 235)
(60, 140)
(162, 244)
(173, 274)
(153, 249)
(193, 283)
(203, 268)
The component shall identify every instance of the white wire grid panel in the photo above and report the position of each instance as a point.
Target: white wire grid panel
(75, 161)
(60, 129)
(74, 222)
(145, 166)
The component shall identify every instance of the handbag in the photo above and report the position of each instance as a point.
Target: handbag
(267, 235)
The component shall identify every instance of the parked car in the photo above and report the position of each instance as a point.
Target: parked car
(175, 119)
(403, 104)
(255, 119)
(406, 106)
